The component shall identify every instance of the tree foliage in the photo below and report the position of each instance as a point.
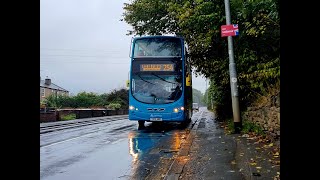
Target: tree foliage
(197, 97)
(117, 98)
(256, 49)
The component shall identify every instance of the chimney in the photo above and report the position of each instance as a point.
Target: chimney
(47, 81)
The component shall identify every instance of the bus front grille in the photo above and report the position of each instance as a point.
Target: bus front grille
(155, 109)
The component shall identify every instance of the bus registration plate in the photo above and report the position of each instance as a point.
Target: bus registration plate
(155, 119)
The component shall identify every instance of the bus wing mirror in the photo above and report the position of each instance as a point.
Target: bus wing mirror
(127, 83)
(188, 81)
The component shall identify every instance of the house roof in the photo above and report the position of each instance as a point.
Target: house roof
(51, 86)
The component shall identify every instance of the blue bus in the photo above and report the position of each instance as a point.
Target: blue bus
(160, 85)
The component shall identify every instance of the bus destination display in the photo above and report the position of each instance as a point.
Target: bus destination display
(156, 67)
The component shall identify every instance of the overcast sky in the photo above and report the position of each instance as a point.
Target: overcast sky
(84, 46)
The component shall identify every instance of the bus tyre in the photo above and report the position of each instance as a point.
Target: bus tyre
(141, 125)
(184, 123)
(188, 118)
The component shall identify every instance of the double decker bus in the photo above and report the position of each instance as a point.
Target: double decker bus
(160, 85)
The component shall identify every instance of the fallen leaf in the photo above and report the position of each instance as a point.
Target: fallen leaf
(233, 162)
(253, 164)
(256, 174)
(258, 167)
(270, 145)
(276, 162)
(245, 135)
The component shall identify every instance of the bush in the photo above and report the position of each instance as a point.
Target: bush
(247, 127)
(68, 117)
(85, 99)
(251, 127)
(114, 106)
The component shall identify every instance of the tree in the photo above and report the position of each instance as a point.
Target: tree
(120, 96)
(198, 21)
(197, 97)
(87, 100)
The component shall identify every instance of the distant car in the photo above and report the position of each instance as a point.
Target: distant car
(195, 106)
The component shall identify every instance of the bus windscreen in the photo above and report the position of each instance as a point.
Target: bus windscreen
(157, 47)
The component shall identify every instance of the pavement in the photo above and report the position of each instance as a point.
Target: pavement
(211, 153)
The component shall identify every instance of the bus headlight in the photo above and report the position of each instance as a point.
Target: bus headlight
(131, 107)
(175, 110)
(182, 108)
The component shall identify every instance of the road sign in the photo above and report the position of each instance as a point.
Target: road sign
(229, 30)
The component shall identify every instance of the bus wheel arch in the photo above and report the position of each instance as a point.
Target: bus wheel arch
(141, 124)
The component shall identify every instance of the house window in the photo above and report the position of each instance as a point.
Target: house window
(42, 92)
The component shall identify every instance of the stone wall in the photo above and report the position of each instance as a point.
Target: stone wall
(88, 113)
(267, 116)
(48, 117)
(55, 115)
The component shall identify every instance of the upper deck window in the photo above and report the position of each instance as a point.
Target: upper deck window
(157, 47)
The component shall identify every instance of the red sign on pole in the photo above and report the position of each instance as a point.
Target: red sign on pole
(229, 30)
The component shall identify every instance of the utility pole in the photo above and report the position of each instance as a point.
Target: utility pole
(207, 98)
(233, 76)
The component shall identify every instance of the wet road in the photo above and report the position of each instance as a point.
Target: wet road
(114, 150)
